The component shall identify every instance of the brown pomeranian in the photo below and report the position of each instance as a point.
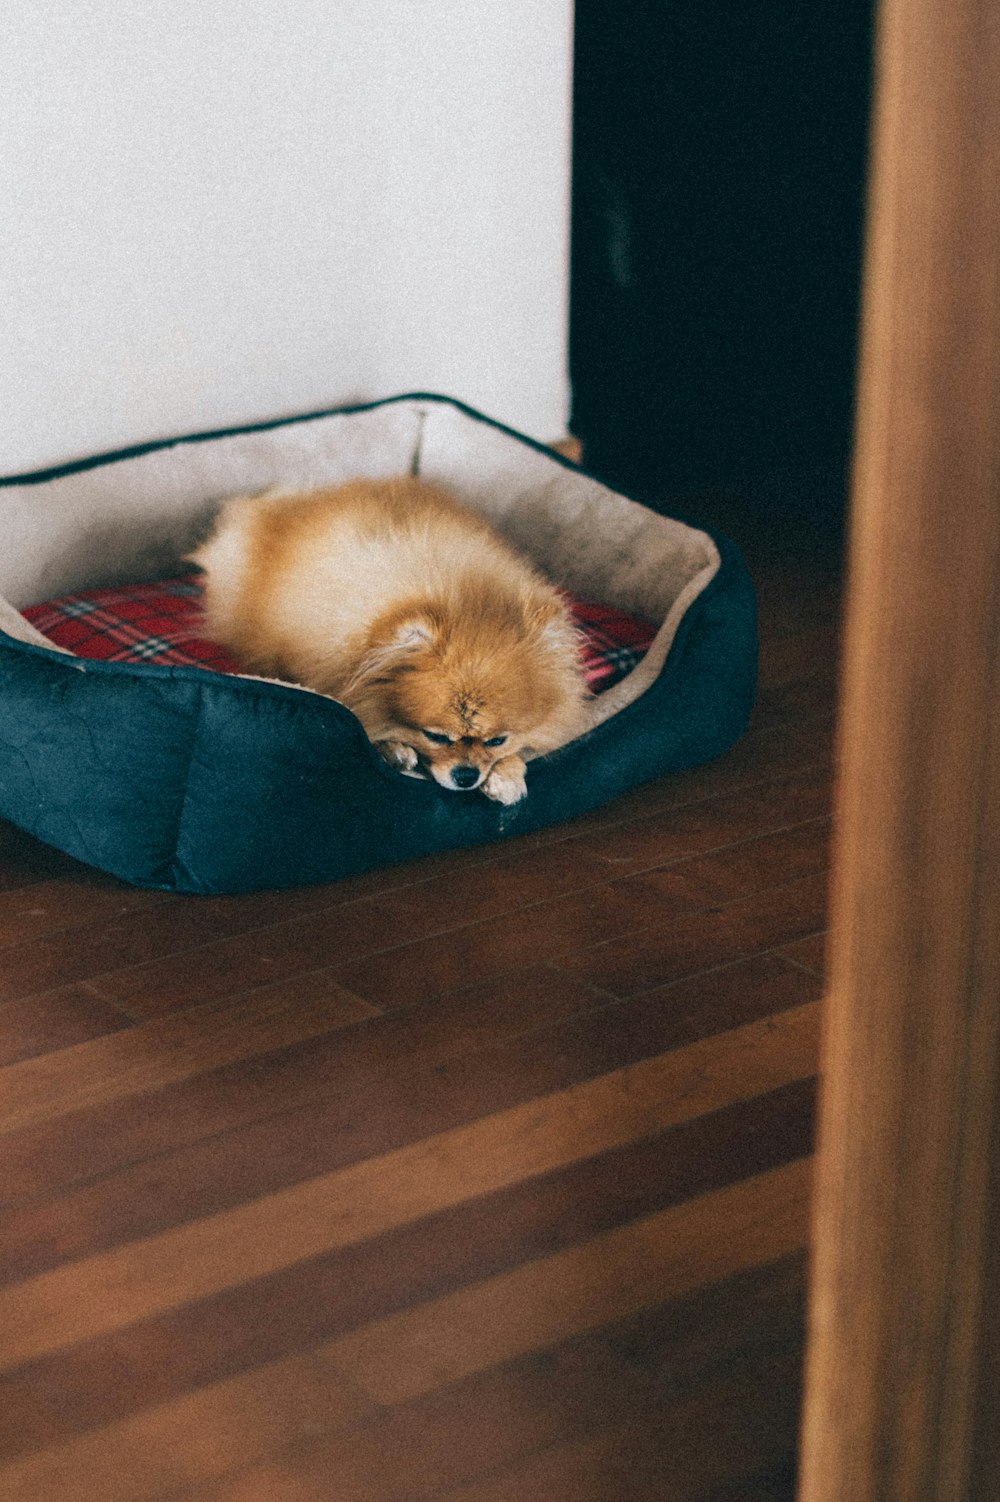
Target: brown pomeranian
(392, 596)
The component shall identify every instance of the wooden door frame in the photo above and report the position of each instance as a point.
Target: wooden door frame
(903, 1366)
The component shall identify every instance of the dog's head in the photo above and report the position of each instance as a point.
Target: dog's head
(467, 690)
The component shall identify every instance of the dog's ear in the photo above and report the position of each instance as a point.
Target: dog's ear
(556, 633)
(392, 652)
(410, 635)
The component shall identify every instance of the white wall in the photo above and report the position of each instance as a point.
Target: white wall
(216, 213)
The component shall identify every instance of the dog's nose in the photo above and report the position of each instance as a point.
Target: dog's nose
(465, 777)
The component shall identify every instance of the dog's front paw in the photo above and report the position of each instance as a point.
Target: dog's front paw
(506, 783)
(398, 754)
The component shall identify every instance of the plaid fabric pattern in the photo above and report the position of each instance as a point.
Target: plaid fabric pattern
(161, 623)
(158, 623)
(613, 643)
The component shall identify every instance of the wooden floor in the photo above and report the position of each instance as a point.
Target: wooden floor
(482, 1179)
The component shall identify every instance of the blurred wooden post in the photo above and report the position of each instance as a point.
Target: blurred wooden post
(903, 1371)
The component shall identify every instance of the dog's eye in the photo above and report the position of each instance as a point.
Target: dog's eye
(497, 740)
(437, 736)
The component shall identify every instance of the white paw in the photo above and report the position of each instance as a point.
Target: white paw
(506, 783)
(398, 754)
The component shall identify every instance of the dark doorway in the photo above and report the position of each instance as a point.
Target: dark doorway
(719, 168)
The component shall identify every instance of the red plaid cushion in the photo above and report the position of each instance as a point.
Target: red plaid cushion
(161, 623)
(158, 623)
(613, 642)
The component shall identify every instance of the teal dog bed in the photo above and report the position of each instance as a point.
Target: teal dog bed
(188, 779)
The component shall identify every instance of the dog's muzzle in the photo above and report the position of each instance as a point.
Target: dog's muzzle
(465, 776)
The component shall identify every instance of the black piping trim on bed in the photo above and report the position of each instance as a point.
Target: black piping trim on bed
(158, 445)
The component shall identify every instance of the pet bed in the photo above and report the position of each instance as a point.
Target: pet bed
(187, 776)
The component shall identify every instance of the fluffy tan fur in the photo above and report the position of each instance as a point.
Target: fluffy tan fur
(396, 599)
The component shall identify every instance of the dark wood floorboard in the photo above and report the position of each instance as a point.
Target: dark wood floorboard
(481, 1179)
